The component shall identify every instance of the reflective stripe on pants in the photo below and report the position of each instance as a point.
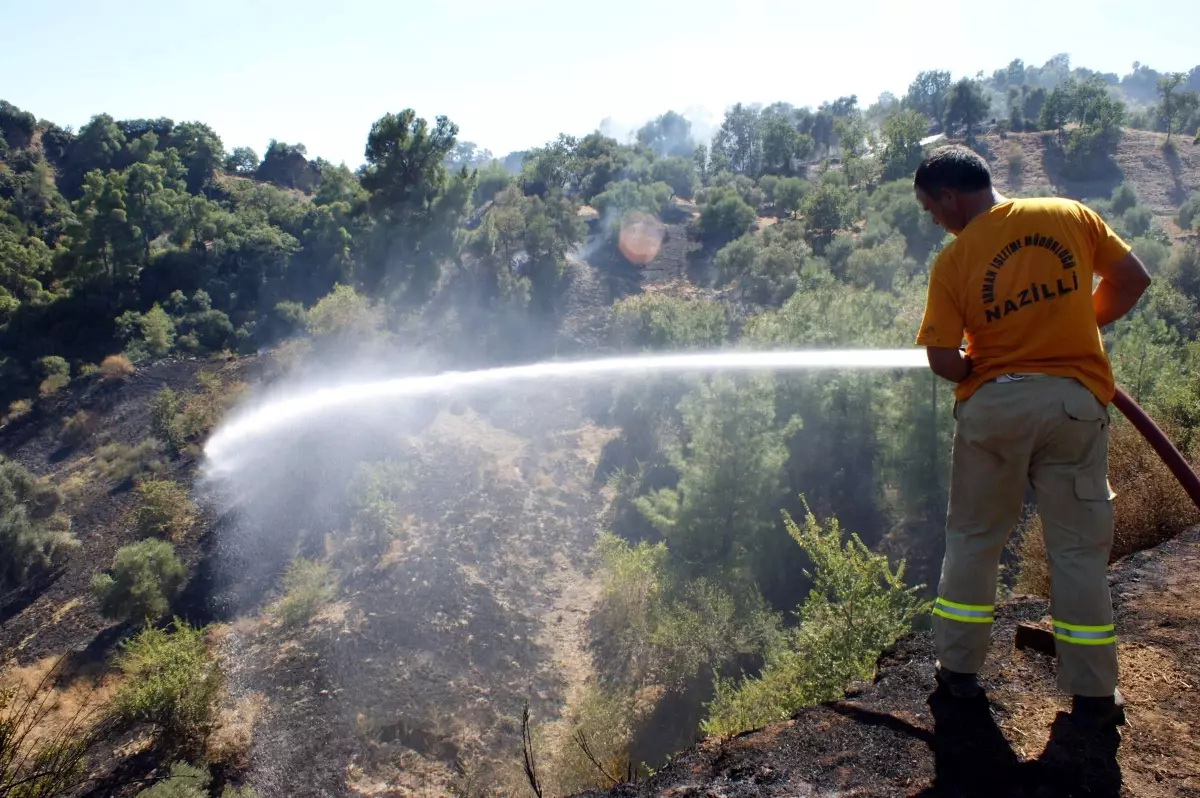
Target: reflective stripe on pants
(965, 613)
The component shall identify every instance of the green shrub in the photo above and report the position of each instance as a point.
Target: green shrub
(177, 420)
(375, 492)
(1137, 221)
(307, 586)
(1152, 253)
(53, 366)
(171, 681)
(33, 535)
(147, 335)
(120, 464)
(658, 321)
(1189, 212)
(164, 509)
(56, 374)
(725, 216)
(857, 607)
(164, 407)
(75, 429)
(186, 781)
(144, 578)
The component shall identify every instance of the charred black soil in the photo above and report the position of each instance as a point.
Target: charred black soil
(903, 736)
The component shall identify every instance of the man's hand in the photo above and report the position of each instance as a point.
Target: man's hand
(1121, 286)
(949, 364)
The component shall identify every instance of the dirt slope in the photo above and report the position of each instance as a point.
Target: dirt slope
(1163, 178)
(57, 612)
(901, 737)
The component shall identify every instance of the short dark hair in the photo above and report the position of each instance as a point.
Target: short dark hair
(953, 167)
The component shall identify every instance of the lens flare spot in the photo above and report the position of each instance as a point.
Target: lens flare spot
(640, 238)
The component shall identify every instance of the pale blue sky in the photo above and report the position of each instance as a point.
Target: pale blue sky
(514, 73)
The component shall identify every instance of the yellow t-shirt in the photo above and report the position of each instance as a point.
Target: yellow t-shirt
(1018, 282)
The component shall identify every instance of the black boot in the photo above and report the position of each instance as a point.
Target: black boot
(960, 685)
(1099, 712)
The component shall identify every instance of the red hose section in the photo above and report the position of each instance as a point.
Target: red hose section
(1175, 461)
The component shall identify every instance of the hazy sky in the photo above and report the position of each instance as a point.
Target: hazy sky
(514, 73)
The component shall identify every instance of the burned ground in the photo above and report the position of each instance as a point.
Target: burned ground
(901, 736)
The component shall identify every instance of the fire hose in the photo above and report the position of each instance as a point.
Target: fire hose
(1161, 444)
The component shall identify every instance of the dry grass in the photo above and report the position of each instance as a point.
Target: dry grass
(1033, 574)
(230, 742)
(1150, 507)
(116, 368)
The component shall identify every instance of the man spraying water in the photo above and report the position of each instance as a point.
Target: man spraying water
(1032, 396)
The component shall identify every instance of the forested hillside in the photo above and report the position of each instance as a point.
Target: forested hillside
(642, 564)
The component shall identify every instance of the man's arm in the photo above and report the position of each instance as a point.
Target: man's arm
(949, 364)
(1122, 284)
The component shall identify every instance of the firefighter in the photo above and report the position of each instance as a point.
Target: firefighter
(1032, 395)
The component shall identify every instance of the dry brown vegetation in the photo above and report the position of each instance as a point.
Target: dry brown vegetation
(1149, 507)
(116, 368)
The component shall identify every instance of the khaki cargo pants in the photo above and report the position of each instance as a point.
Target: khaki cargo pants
(1050, 433)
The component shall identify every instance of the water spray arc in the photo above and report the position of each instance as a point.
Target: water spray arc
(271, 416)
(279, 414)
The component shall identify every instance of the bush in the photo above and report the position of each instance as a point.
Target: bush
(34, 536)
(200, 410)
(375, 492)
(19, 408)
(75, 429)
(147, 335)
(307, 586)
(725, 216)
(122, 464)
(186, 781)
(1152, 253)
(171, 681)
(857, 607)
(56, 375)
(344, 313)
(116, 368)
(1137, 221)
(658, 321)
(164, 407)
(1189, 212)
(145, 577)
(164, 509)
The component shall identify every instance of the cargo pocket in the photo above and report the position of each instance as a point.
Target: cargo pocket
(1091, 488)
